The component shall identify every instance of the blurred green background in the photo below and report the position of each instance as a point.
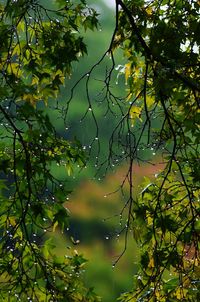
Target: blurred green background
(95, 223)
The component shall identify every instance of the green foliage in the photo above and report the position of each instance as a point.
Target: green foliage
(38, 45)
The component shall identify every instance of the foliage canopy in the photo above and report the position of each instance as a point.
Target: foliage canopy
(160, 41)
(160, 112)
(38, 45)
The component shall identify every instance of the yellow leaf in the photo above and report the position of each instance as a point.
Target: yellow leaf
(31, 98)
(13, 68)
(61, 76)
(21, 26)
(135, 113)
(69, 169)
(127, 71)
(11, 221)
(149, 10)
(129, 96)
(149, 220)
(149, 101)
(54, 226)
(35, 80)
(151, 263)
(181, 293)
(137, 72)
(16, 50)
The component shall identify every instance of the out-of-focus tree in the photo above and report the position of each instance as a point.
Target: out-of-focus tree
(39, 43)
